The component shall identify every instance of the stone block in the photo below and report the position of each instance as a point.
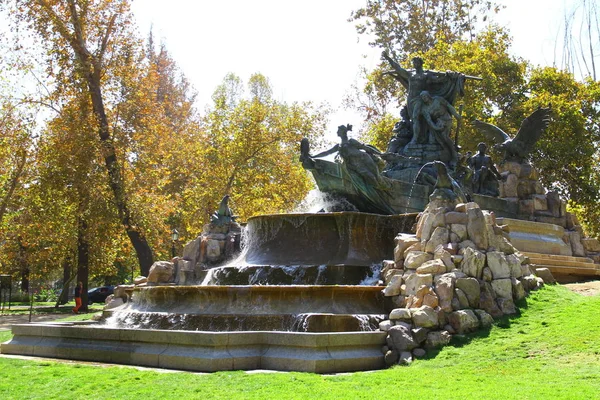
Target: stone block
(460, 230)
(431, 299)
(470, 287)
(513, 167)
(540, 202)
(394, 287)
(437, 339)
(191, 251)
(434, 267)
(524, 189)
(442, 254)
(576, 245)
(538, 188)
(507, 306)
(518, 291)
(487, 300)
(403, 242)
(545, 274)
(526, 207)
(463, 321)
(476, 228)
(590, 245)
(400, 314)
(415, 259)
(463, 302)
(514, 264)
(400, 338)
(415, 281)
(439, 237)
(502, 288)
(412, 247)
(213, 250)
(510, 186)
(485, 319)
(444, 288)
(554, 203)
(498, 264)
(454, 217)
(161, 272)
(572, 220)
(473, 262)
(385, 326)
(424, 317)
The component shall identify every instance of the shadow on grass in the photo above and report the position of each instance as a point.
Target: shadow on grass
(460, 340)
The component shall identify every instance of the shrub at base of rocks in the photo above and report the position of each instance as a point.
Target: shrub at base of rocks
(454, 276)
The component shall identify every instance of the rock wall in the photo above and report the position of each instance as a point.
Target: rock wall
(457, 273)
(522, 186)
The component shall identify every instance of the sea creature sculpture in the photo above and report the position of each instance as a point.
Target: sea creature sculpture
(517, 148)
(223, 215)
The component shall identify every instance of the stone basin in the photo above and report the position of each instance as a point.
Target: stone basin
(340, 238)
(298, 308)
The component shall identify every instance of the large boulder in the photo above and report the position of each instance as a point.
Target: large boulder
(497, 262)
(463, 321)
(444, 288)
(487, 300)
(437, 339)
(470, 287)
(415, 281)
(403, 242)
(434, 267)
(473, 262)
(394, 287)
(502, 288)
(161, 272)
(424, 317)
(414, 259)
(476, 227)
(439, 237)
(400, 338)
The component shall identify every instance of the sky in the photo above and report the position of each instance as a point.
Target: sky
(308, 49)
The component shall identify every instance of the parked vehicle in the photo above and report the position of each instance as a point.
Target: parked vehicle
(99, 294)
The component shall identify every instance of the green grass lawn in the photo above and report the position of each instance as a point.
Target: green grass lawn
(551, 351)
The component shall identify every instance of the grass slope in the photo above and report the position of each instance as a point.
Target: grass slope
(551, 351)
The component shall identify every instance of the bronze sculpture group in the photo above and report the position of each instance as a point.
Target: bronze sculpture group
(420, 139)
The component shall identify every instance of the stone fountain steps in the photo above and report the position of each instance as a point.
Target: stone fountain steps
(564, 265)
(255, 300)
(202, 351)
(290, 275)
(309, 322)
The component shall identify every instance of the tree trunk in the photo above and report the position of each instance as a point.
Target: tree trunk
(91, 66)
(138, 240)
(67, 278)
(83, 257)
(23, 268)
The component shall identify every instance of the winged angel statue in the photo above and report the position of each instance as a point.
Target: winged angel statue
(517, 148)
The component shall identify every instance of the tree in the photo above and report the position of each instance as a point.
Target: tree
(252, 149)
(403, 27)
(579, 47)
(88, 43)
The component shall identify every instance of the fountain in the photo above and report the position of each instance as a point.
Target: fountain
(303, 294)
(299, 297)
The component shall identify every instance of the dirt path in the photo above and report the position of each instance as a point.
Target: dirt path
(591, 288)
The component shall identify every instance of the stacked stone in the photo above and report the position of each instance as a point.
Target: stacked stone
(214, 246)
(454, 276)
(521, 185)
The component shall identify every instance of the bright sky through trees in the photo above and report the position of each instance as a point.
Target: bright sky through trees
(307, 49)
